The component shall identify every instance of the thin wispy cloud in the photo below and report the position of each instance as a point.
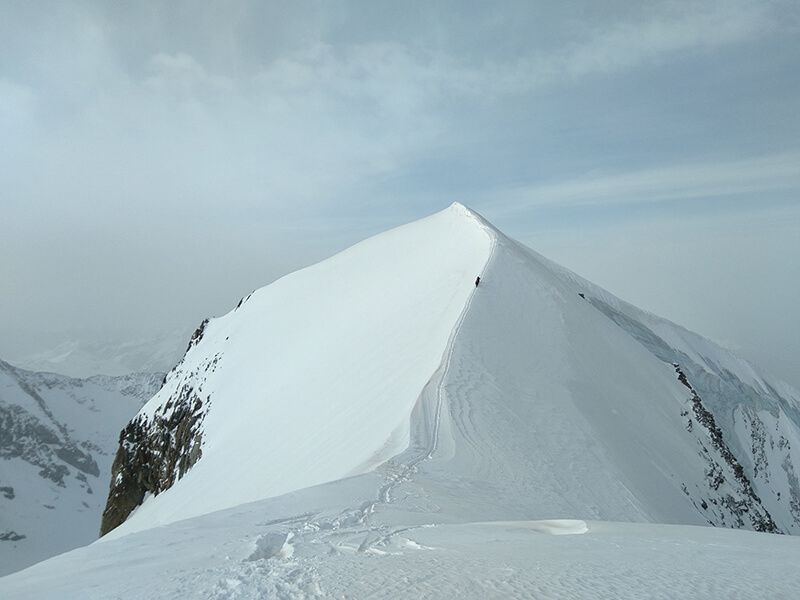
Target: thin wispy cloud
(752, 176)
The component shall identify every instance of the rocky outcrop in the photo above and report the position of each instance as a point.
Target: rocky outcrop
(157, 449)
(23, 435)
(744, 502)
(742, 430)
(154, 453)
(197, 335)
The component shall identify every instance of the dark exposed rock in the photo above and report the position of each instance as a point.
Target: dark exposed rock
(197, 335)
(750, 505)
(154, 453)
(156, 450)
(23, 435)
(758, 442)
(81, 461)
(7, 491)
(11, 536)
(794, 486)
(16, 425)
(54, 473)
(243, 300)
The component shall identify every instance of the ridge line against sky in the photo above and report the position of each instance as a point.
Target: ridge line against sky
(162, 159)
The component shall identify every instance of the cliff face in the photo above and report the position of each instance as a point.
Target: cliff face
(154, 453)
(155, 450)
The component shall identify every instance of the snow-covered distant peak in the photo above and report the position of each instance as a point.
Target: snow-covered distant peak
(82, 356)
(58, 437)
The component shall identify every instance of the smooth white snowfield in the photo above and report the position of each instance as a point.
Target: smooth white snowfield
(431, 439)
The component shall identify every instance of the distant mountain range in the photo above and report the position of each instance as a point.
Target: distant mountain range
(81, 357)
(58, 436)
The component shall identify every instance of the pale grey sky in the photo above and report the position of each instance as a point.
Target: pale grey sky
(161, 159)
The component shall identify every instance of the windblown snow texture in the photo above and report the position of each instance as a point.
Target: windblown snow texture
(399, 431)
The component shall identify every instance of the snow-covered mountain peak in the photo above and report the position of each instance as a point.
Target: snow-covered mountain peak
(353, 339)
(383, 424)
(460, 211)
(543, 395)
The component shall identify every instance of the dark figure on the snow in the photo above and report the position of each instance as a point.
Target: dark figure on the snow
(477, 281)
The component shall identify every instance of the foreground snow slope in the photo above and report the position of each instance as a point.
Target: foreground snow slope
(247, 553)
(58, 436)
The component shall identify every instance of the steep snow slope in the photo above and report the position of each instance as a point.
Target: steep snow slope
(557, 407)
(553, 399)
(314, 377)
(57, 438)
(757, 418)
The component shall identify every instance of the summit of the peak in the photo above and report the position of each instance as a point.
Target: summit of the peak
(459, 209)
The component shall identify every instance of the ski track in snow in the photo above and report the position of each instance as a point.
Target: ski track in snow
(450, 348)
(355, 533)
(374, 537)
(409, 467)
